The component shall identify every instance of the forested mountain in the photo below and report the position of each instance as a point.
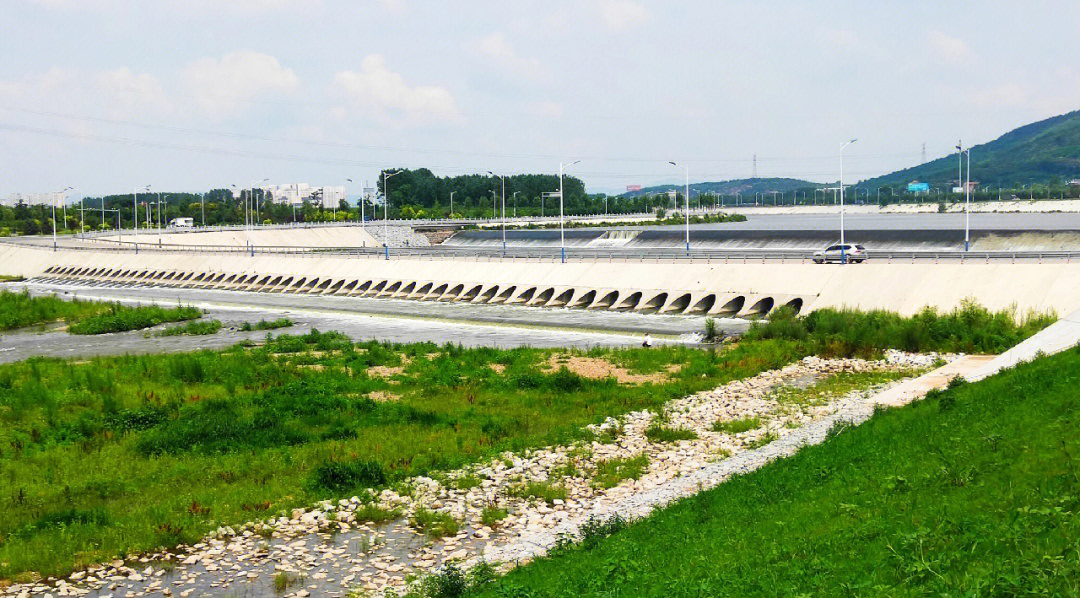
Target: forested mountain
(743, 186)
(1042, 153)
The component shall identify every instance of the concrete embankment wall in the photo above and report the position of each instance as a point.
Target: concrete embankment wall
(323, 236)
(679, 287)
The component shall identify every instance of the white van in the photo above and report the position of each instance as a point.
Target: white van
(182, 223)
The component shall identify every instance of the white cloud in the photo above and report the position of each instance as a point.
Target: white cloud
(953, 50)
(496, 49)
(845, 39)
(119, 93)
(544, 109)
(377, 92)
(226, 87)
(621, 15)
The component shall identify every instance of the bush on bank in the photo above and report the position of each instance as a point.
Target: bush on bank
(969, 328)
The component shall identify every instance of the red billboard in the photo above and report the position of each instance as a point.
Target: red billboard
(632, 188)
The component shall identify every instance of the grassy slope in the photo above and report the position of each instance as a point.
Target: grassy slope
(107, 457)
(970, 492)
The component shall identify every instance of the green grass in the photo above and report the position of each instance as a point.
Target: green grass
(969, 328)
(974, 491)
(491, 516)
(837, 385)
(538, 489)
(660, 433)
(612, 471)
(434, 524)
(736, 426)
(121, 318)
(266, 325)
(19, 310)
(11, 278)
(104, 458)
(194, 328)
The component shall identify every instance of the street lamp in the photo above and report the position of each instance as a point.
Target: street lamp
(686, 173)
(562, 218)
(61, 194)
(843, 255)
(452, 205)
(502, 181)
(386, 208)
(253, 204)
(515, 203)
(967, 203)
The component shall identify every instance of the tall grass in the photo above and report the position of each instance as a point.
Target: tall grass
(18, 310)
(969, 328)
(121, 318)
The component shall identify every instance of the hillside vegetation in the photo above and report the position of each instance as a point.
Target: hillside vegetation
(1039, 152)
(974, 491)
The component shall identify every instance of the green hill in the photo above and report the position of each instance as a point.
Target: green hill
(1044, 152)
(744, 186)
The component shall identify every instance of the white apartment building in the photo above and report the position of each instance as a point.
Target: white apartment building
(34, 199)
(297, 193)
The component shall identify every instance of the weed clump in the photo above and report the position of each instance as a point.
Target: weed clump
(434, 524)
(343, 476)
(660, 433)
(612, 471)
(736, 426)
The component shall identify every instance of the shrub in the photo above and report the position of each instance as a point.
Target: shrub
(491, 516)
(612, 471)
(196, 328)
(545, 491)
(434, 524)
(121, 318)
(658, 433)
(343, 476)
(736, 426)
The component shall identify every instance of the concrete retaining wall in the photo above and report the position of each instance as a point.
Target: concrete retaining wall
(679, 287)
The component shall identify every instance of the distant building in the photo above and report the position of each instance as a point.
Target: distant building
(1074, 183)
(298, 193)
(34, 199)
(633, 188)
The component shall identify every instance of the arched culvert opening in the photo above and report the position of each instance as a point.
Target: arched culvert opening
(507, 293)
(585, 300)
(452, 294)
(262, 282)
(189, 276)
(325, 284)
(655, 303)
(761, 308)
(297, 285)
(349, 287)
(407, 289)
(230, 279)
(795, 304)
(377, 287)
(201, 276)
(562, 299)
(165, 276)
(630, 302)
(362, 288)
(525, 295)
(424, 290)
(679, 305)
(733, 307)
(335, 287)
(488, 295)
(393, 288)
(436, 292)
(472, 293)
(606, 301)
(703, 305)
(543, 297)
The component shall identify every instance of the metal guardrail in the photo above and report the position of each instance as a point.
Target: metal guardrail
(556, 253)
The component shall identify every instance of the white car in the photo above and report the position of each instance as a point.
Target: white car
(839, 253)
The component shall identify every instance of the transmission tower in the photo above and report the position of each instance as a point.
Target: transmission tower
(755, 167)
(923, 153)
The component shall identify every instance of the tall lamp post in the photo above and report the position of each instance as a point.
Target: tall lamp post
(967, 203)
(386, 209)
(502, 181)
(452, 205)
(515, 203)
(562, 217)
(686, 173)
(843, 254)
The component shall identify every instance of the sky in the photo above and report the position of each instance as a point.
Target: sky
(110, 95)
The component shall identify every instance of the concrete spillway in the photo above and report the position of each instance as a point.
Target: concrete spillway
(735, 288)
